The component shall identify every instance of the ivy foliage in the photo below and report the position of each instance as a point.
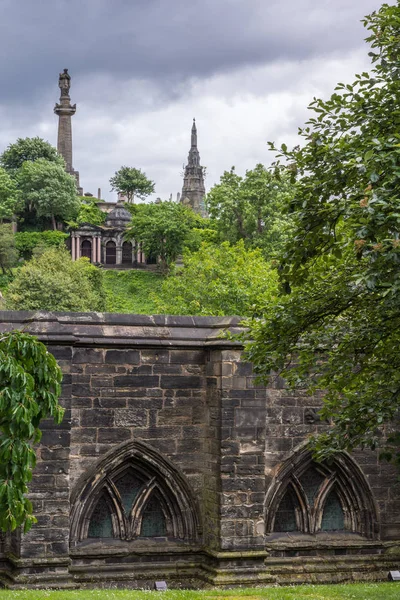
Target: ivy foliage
(30, 385)
(338, 329)
(89, 212)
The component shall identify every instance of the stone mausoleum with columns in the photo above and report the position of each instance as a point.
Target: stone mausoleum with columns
(106, 244)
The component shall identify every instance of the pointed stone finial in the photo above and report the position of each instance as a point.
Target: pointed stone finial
(194, 134)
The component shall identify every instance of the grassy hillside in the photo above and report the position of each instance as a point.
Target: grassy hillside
(129, 291)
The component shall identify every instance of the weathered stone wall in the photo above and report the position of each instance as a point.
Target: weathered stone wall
(173, 384)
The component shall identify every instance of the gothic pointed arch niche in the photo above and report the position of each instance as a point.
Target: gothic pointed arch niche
(311, 497)
(133, 493)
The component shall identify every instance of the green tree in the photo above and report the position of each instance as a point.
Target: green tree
(30, 387)
(48, 190)
(162, 229)
(52, 281)
(219, 280)
(338, 329)
(227, 207)
(132, 183)
(8, 251)
(28, 149)
(254, 208)
(9, 203)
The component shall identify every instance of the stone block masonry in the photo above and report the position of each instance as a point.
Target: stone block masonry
(169, 402)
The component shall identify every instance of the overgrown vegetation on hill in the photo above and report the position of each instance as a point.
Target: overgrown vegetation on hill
(219, 280)
(131, 291)
(52, 281)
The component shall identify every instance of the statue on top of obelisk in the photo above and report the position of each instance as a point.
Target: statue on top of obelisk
(64, 83)
(65, 110)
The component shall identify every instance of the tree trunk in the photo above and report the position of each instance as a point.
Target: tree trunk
(53, 220)
(241, 226)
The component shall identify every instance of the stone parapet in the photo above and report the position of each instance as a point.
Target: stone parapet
(170, 395)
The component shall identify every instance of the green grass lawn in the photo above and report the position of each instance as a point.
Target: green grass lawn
(129, 291)
(368, 591)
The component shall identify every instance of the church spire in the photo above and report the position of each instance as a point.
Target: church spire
(193, 190)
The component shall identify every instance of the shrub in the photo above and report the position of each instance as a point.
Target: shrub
(54, 282)
(26, 241)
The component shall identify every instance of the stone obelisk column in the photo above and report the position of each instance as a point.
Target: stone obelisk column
(65, 110)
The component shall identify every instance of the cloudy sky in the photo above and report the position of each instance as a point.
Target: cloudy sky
(142, 69)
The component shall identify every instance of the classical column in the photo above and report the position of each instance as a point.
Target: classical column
(99, 249)
(65, 110)
(73, 246)
(78, 247)
(94, 249)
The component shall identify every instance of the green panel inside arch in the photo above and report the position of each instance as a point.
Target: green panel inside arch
(153, 520)
(128, 486)
(333, 517)
(311, 481)
(285, 518)
(100, 525)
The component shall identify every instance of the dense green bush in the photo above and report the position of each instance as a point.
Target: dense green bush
(219, 280)
(26, 241)
(54, 282)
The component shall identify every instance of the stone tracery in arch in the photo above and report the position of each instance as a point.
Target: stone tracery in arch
(311, 497)
(134, 493)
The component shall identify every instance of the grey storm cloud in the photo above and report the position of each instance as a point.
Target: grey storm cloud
(142, 69)
(165, 41)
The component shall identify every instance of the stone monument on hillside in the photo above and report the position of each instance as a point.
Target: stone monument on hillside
(193, 190)
(65, 110)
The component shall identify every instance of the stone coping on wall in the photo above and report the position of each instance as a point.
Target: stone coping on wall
(111, 329)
